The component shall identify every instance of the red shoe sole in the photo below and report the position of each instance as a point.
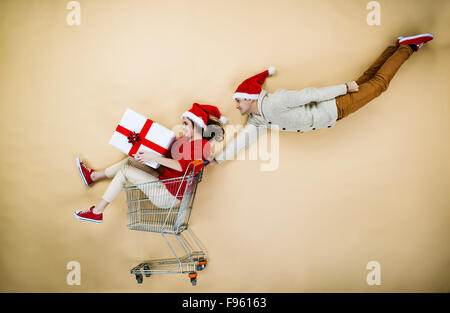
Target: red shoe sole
(415, 40)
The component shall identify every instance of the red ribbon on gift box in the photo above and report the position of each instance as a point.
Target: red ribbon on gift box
(138, 139)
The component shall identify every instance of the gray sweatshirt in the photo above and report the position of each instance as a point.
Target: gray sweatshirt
(290, 110)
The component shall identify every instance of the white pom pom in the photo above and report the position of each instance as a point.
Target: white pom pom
(271, 70)
(223, 119)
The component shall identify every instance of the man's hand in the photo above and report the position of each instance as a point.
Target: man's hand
(352, 86)
(213, 162)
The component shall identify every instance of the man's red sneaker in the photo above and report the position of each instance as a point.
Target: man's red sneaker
(85, 172)
(89, 215)
(418, 40)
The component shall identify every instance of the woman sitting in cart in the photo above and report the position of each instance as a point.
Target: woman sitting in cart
(201, 124)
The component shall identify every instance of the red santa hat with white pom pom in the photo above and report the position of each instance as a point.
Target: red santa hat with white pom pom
(199, 114)
(250, 88)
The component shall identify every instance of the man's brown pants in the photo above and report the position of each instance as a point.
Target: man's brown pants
(374, 81)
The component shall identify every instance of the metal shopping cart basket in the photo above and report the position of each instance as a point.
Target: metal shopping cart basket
(172, 219)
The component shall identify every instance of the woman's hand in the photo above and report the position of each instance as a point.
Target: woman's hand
(352, 86)
(144, 156)
(147, 156)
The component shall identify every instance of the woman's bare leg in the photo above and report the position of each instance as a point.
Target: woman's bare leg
(127, 169)
(109, 172)
(100, 207)
(98, 175)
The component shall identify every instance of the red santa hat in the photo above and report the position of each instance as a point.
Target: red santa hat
(250, 88)
(199, 114)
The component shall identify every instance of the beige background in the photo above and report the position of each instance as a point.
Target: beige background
(375, 187)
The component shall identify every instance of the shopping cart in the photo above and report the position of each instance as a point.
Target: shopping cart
(144, 215)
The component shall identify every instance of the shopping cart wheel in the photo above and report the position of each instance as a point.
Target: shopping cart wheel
(147, 268)
(201, 264)
(139, 278)
(193, 277)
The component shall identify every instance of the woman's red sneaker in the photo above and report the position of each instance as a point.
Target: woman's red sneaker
(89, 215)
(85, 172)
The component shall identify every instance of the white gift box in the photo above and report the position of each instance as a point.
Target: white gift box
(137, 133)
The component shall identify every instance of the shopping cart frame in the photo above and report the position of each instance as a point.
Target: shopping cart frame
(143, 215)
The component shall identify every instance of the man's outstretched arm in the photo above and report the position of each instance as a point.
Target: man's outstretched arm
(246, 137)
(311, 94)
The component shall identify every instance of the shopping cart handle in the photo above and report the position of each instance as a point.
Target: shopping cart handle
(199, 162)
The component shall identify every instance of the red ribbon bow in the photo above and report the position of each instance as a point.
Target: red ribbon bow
(138, 139)
(134, 138)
